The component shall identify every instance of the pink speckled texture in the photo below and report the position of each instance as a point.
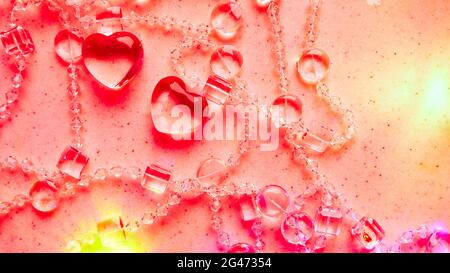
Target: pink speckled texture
(396, 169)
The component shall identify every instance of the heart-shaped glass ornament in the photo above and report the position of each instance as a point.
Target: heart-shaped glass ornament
(175, 111)
(113, 60)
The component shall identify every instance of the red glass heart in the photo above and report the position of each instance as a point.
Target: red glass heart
(171, 92)
(113, 60)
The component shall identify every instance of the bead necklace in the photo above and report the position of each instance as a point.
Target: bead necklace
(256, 205)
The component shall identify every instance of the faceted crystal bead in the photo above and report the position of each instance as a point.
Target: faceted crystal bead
(68, 46)
(297, 228)
(368, 232)
(439, 242)
(211, 172)
(17, 80)
(20, 63)
(312, 142)
(17, 41)
(20, 200)
(156, 179)
(226, 62)
(110, 20)
(328, 220)
(241, 248)
(286, 109)
(5, 208)
(44, 196)
(149, 218)
(272, 201)
(217, 89)
(72, 162)
(248, 212)
(12, 95)
(312, 66)
(226, 19)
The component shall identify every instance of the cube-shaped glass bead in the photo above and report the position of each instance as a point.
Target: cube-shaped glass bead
(72, 162)
(217, 89)
(368, 233)
(312, 142)
(248, 211)
(328, 220)
(17, 41)
(156, 179)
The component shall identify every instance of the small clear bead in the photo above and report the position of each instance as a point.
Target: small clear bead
(76, 124)
(73, 71)
(174, 199)
(223, 240)
(215, 205)
(216, 222)
(257, 228)
(85, 181)
(12, 95)
(20, 200)
(75, 108)
(133, 173)
(5, 207)
(116, 172)
(11, 163)
(73, 89)
(149, 218)
(27, 166)
(101, 174)
(20, 63)
(17, 80)
(162, 210)
(260, 244)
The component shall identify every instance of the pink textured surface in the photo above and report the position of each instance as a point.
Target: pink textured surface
(396, 170)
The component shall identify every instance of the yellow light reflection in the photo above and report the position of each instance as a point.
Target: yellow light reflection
(436, 100)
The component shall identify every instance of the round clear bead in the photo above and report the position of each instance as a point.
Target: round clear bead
(20, 200)
(215, 205)
(223, 239)
(149, 218)
(75, 108)
(73, 71)
(11, 163)
(116, 172)
(73, 89)
(17, 80)
(27, 166)
(20, 63)
(162, 211)
(101, 174)
(174, 199)
(5, 208)
(12, 95)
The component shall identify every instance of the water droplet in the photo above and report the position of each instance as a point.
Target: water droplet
(272, 201)
(297, 228)
(44, 196)
(313, 65)
(285, 109)
(68, 46)
(226, 19)
(226, 62)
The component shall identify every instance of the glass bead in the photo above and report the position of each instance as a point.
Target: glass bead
(257, 228)
(17, 41)
(215, 204)
(12, 95)
(68, 46)
(20, 63)
(174, 199)
(226, 62)
(286, 109)
(211, 172)
(5, 113)
(248, 212)
(116, 172)
(170, 93)
(320, 243)
(272, 201)
(312, 142)
(162, 210)
(5, 208)
(312, 66)
(149, 218)
(226, 19)
(44, 196)
(133, 173)
(11, 163)
(72, 162)
(20, 200)
(27, 166)
(75, 108)
(217, 89)
(439, 242)
(223, 240)
(241, 248)
(101, 174)
(263, 3)
(110, 20)
(17, 80)
(368, 232)
(297, 228)
(156, 179)
(113, 60)
(328, 220)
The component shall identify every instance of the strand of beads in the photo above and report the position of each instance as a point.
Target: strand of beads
(274, 16)
(17, 43)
